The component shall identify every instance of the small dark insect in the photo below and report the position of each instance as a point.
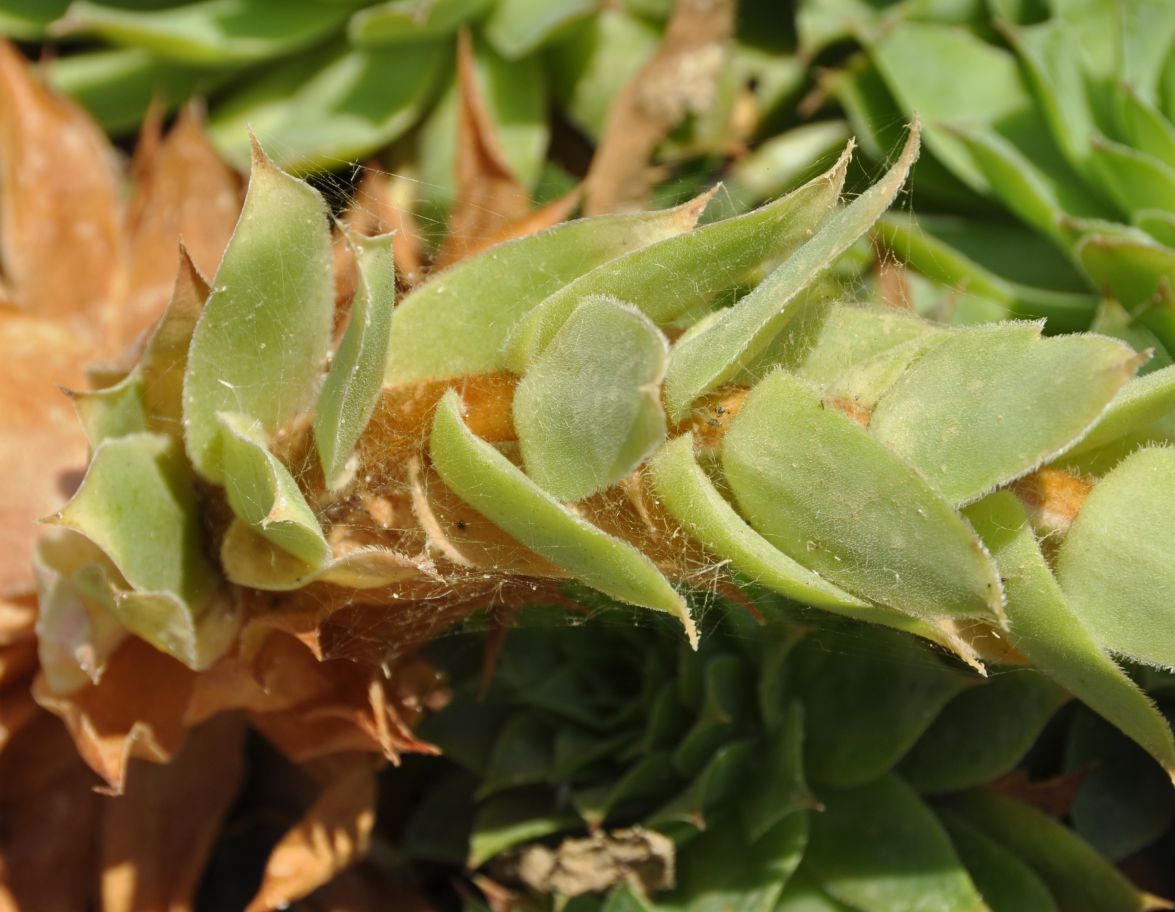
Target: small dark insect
(461, 525)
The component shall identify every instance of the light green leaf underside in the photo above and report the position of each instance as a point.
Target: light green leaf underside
(496, 488)
(137, 503)
(687, 493)
(332, 105)
(251, 559)
(212, 31)
(1051, 634)
(714, 355)
(1139, 403)
(457, 323)
(1115, 564)
(352, 387)
(410, 21)
(987, 404)
(878, 847)
(260, 343)
(828, 494)
(690, 270)
(1078, 878)
(262, 492)
(588, 410)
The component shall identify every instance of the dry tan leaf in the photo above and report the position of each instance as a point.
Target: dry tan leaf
(679, 79)
(540, 219)
(46, 792)
(136, 711)
(489, 196)
(157, 837)
(184, 190)
(331, 836)
(60, 210)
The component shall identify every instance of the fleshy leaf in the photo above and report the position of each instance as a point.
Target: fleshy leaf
(1139, 403)
(409, 22)
(708, 358)
(457, 322)
(251, 559)
(691, 497)
(262, 492)
(518, 27)
(983, 732)
(830, 496)
(211, 31)
(1006, 883)
(862, 717)
(1050, 633)
(259, 345)
(138, 504)
(331, 105)
(496, 488)
(690, 270)
(1114, 565)
(588, 410)
(988, 404)
(1075, 874)
(349, 394)
(878, 847)
(113, 411)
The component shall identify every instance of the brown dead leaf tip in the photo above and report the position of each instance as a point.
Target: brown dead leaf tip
(1053, 496)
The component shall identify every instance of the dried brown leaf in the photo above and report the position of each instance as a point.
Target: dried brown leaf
(489, 196)
(136, 711)
(184, 190)
(60, 209)
(156, 837)
(330, 837)
(678, 80)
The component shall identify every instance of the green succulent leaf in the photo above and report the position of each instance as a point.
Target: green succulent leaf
(779, 766)
(1141, 402)
(878, 847)
(1048, 630)
(114, 411)
(1075, 874)
(828, 494)
(259, 345)
(496, 488)
(262, 492)
(691, 497)
(1114, 565)
(688, 271)
(457, 323)
(803, 894)
(352, 387)
(512, 819)
(862, 718)
(519, 27)
(983, 732)
(29, 20)
(1005, 882)
(1147, 128)
(332, 105)
(988, 404)
(209, 31)
(1134, 271)
(138, 504)
(409, 21)
(1134, 178)
(710, 786)
(708, 358)
(588, 410)
(117, 86)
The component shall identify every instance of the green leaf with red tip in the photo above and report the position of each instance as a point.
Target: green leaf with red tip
(828, 494)
(681, 274)
(712, 356)
(457, 323)
(1053, 636)
(988, 404)
(352, 387)
(262, 492)
(500, 491)
(260, 343)
(1115, 566)
(588, 410)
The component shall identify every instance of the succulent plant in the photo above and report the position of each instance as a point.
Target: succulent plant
(793, 765)
(1059, 114)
